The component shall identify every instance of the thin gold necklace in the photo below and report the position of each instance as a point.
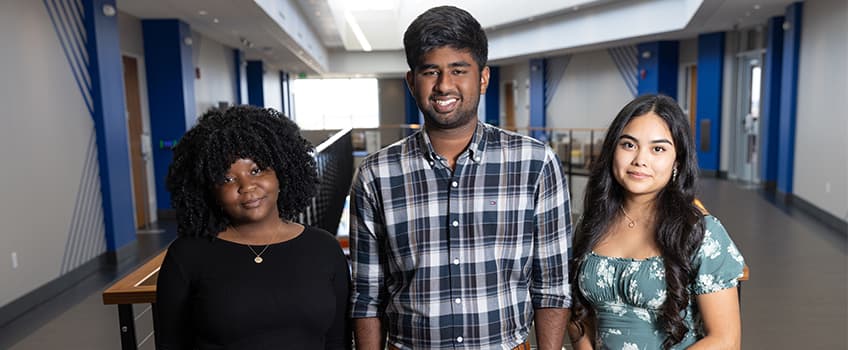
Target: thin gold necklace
(258, 256)
(632, 222)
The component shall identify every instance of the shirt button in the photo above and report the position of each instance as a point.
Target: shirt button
(454, 184)
(455, 223)
(457, 300)
(456, 261)
(477, 159)
(431, 163)
(459, 339)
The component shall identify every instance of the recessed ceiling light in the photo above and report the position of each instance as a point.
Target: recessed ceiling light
(757, 7)
(202, 12)
(214, 20)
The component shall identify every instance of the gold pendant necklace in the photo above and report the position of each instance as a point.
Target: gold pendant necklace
(258, 256)
(258, 259)
(632, 222)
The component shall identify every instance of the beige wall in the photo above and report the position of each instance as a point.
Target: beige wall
(821, 145)
(46, 139)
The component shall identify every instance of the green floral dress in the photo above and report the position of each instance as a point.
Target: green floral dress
(627, 293)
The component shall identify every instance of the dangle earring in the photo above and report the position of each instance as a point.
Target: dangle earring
(674, 174)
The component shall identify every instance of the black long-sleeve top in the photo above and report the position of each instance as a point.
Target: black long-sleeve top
(212, 295)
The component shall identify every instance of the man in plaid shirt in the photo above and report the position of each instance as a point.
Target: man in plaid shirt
(460, 232)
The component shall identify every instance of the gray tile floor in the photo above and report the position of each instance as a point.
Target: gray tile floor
(797, 297)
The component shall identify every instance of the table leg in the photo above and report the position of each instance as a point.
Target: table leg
(127, 324)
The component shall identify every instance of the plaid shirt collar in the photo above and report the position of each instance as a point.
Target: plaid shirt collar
(475, 148)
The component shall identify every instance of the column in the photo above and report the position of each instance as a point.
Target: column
(788, 97)
(110, 122)
(170, 92)
(255, 89)
(708, 115)
(537, 99)
(770, 116)
(658, 68)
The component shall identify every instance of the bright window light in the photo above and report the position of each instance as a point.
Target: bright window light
(336, 103)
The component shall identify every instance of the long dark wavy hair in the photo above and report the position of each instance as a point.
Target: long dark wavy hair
(679, 229)
(222, 136)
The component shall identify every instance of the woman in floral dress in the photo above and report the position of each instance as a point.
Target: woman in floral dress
(651, 270)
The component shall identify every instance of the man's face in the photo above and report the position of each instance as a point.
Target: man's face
(447, 85)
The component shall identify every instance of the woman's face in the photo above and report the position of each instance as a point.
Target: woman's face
(248, 193)
(644, 156)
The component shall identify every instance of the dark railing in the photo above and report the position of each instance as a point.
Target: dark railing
(334, 162)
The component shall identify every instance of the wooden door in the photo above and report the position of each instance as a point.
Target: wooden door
(135, 128)
(509, 105)
(693, 97)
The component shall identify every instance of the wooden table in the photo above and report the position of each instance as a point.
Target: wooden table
(139, 287)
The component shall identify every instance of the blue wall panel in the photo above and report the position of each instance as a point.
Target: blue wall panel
(493, 97)
(170, 91)
(255, 89)
(107, 93)
(788, 98)
(537, 99)
(770, 116)
(658, 71)
(412, 114)
(708, 115)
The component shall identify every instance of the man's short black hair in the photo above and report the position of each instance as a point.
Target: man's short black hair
(445, 26)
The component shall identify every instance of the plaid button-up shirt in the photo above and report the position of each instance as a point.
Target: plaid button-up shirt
(460, 259)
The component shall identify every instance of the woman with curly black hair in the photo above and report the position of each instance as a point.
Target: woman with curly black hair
(242, 274)
(650, 269)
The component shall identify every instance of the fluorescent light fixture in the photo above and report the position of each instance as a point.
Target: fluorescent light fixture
(363, 41)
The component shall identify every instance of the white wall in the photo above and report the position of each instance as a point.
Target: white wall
(728, 100)
(590, 93)
(519, 74)
(132, 44)
(271, 89)
(47, 135)
(130, 34)
(821, 149)
(392, 108)
(688, 51)
(217, 81)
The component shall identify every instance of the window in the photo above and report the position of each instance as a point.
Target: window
(336, 103)
(756, 75)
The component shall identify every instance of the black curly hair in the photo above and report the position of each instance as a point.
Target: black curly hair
(222, 136)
